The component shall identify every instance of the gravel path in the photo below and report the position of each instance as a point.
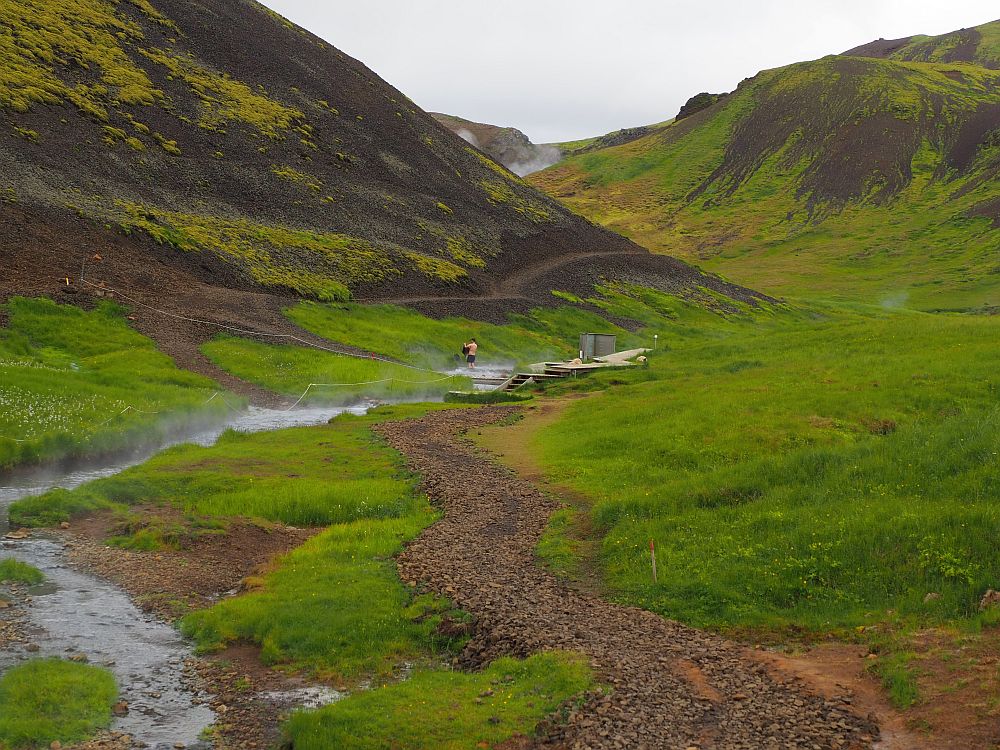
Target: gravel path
(673, 687)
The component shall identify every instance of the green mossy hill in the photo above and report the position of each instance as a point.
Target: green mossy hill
(854, 176)
(219, 129)
(980, 45)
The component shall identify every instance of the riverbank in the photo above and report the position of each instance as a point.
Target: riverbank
(284, 616)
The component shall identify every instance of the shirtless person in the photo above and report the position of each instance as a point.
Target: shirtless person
(470, 353)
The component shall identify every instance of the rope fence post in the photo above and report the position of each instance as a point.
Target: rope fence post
(652, 557)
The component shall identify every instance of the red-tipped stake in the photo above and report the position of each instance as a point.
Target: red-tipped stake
(652, 556)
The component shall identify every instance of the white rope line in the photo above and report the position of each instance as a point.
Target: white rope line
(251, 332)
(218, 395)
(123, 411)
(367, 382)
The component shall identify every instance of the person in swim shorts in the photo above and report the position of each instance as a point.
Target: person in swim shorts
(470, 353)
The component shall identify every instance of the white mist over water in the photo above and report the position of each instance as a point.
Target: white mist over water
(544, 157)
(895, 301)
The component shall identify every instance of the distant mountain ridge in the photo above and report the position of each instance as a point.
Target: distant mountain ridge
(507, 146)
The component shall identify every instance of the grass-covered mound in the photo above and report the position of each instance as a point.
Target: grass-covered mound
(818, 473)
(51, 700)
(15, 571)
(447, 710)
(335, 606)
(73, 382)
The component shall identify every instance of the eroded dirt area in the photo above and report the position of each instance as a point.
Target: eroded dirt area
(172, 582)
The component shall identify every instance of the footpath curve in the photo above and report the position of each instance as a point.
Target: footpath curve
(672, 686)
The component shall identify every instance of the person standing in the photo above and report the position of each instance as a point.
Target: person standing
(470, 353)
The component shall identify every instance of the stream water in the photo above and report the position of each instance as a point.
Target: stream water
(75, 613)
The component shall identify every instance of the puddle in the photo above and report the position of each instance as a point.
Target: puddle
(75, 613)
(306, 697)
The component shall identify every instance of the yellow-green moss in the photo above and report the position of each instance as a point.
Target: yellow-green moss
(456, 245)
(29, 135)
(436, 267)
(490, 164)
(289, 174)
(169, 146)
(225, 99)
(318, 264)
(502, 193)
(41, 39)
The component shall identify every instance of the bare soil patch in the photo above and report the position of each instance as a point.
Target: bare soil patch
(173, 582)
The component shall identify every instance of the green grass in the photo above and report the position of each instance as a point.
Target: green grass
(405, 334)
(545, 334)
(814, 473)
(894, 671)
(401, 333)
(49, 700)
(335, 606)
(446, 710)
(15, 571)
(75, 382)
(557, 549)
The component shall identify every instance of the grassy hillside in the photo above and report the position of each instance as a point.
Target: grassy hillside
(858, 177)
(979, 45)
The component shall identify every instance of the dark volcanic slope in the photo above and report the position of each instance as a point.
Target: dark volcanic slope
(979, 45)
(255, 154)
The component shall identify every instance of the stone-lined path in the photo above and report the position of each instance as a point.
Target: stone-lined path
(673, 686)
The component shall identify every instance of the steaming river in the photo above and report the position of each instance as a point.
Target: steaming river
(73, 612)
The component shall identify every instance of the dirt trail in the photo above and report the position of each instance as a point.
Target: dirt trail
(673, 687)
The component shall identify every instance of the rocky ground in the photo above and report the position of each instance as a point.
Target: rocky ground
(671, 686)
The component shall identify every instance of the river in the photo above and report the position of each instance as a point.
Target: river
(76, 613)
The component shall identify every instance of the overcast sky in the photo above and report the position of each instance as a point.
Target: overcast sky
(566, 69)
